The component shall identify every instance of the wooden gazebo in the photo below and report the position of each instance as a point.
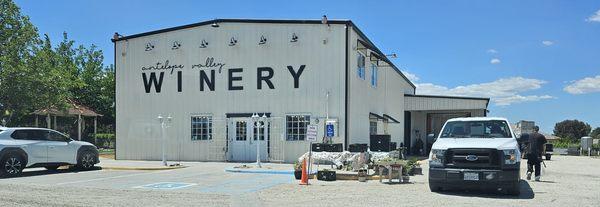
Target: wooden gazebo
(73, 110)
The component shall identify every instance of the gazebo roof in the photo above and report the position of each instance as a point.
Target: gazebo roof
(74, 109)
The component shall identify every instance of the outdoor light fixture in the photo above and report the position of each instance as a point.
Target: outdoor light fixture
(263, 40)
(393, 55)
(324, 19)
(203, 44)
(149, 46)
(176, 45)
(232, 41)
(214, 25)
(116, 36)
(294, 38)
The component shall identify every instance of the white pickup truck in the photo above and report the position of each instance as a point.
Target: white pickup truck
(475, 152)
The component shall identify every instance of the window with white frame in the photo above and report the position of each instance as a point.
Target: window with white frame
(374, 70)
(373, 126)
(201, 127)
(240, 131)
(296, 127)
(360, 69)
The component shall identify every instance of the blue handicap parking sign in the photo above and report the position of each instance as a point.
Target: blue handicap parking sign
(330, 130)
(167, 185)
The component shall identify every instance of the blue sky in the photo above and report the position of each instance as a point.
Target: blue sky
(537, 60)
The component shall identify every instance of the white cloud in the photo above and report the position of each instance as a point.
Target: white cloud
(492, 51)
(505, 101)
(547, 42)
(412, 77)
(586, 85)
(594, 18)
(502, 92)
(495, 61)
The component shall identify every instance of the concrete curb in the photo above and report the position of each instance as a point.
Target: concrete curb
(142, 168)
(280, 172)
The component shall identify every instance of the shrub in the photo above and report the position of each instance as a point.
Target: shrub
(566, 143)
(105, 140)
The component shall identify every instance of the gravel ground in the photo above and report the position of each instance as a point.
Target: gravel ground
(33, 195)
(568, 181)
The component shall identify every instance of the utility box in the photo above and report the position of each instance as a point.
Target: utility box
(586, 143)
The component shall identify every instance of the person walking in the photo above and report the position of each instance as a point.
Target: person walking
(537, 142)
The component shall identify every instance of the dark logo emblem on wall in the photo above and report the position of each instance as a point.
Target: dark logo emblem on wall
(471, 158)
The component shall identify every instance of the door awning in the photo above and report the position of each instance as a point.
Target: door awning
(390, 118)
(376, 116)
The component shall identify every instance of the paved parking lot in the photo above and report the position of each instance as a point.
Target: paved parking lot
(568, 181)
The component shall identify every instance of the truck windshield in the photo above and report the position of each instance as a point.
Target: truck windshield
(476, 129)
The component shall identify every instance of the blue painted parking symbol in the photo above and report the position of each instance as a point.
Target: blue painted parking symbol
(166, 186)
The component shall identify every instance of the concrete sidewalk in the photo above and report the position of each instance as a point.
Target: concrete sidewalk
(110, 164)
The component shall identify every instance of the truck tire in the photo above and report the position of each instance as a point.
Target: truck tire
(514, 189)
(434, 187)
(548, 156)
(12, 165)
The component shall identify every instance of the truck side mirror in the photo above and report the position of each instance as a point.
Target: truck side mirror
(431, 137)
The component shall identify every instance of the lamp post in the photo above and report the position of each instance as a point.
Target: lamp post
(163, 125)
(256, 120)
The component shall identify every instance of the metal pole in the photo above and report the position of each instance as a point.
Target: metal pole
(162, 134)
(309, 161)
(79, 127)
(95, 129)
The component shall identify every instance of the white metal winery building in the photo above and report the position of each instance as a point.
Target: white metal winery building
(209, 77)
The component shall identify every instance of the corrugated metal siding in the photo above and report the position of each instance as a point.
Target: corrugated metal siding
(434, 103)
(321, 48)
(386, 98)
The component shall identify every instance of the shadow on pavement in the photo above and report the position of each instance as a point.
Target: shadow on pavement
(526, 193)
(43, 171)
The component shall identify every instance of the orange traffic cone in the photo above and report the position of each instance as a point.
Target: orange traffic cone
(304, 179)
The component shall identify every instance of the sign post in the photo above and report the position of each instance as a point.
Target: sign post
(311, 136)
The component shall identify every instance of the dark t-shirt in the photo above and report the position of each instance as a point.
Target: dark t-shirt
(536, 143)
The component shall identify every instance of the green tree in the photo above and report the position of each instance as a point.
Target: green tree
(18, 39)
(595, 133)
(572, 129)
(35, 75)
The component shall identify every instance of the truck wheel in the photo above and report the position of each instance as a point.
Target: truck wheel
(514, 189)
(12, 165)
(434, 187)
(548, 156)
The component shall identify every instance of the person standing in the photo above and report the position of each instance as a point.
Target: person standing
(537, 142)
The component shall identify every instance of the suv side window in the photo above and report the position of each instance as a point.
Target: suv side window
(55, 136)
(30, 134)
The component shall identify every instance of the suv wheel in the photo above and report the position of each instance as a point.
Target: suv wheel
(12, 165)
(86, 161)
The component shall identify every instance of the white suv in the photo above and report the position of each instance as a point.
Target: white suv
(38, 147)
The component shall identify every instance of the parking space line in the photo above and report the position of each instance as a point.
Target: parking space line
(113, 177)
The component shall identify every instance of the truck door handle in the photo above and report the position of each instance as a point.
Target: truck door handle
(51, 147)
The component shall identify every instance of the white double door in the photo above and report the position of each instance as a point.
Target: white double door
(244, 136)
